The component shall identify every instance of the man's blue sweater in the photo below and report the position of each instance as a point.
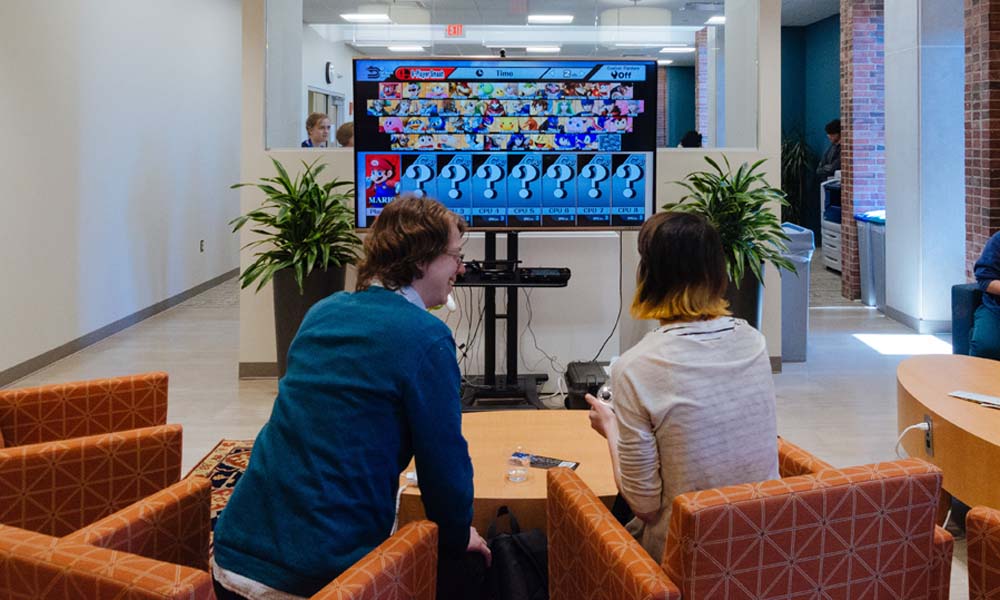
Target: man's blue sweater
(987, 269)
(372, 381)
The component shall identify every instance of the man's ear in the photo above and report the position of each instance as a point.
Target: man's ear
(421, 268)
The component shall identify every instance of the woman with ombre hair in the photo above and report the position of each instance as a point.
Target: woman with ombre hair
(693, 401)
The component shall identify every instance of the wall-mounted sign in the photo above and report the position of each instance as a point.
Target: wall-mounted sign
(454, 30)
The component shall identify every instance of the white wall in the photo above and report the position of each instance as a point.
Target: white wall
(284, 107)
(569, 322)
(740, 74)
(316, 52)
(120, 137)
(925, 159)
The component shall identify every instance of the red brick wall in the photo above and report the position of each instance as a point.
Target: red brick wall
(862, 105)
(982, 126)
(702, 87)
(661, 110)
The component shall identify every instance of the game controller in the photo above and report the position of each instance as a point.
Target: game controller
(604, 394)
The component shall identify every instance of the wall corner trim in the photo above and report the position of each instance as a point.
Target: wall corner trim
(31, 365)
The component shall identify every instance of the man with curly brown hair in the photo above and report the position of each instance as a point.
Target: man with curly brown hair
(372, 382)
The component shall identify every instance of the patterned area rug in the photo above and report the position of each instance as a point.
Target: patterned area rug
(223, 466)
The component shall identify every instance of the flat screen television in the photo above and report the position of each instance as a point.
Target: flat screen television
(509, 144)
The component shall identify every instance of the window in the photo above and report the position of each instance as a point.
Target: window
(707, 50)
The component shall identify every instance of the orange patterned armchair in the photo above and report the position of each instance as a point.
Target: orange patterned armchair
(158, 548)
(155, 548)
(982, 529)
(855, 532)
(404, 566)
(73, 453)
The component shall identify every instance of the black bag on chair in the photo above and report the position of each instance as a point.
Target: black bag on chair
(520, 562)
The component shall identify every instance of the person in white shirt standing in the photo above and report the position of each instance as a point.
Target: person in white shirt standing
(693, 401)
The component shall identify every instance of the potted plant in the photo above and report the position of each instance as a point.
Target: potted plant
(737, 205)
(797, 163)
(308, 241)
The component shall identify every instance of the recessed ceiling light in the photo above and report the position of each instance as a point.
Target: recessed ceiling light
(405, 48)
(542, 49)
(676, 50)
(665, 61)
(550, 19)
(716, 20)
(366, 18)
(638, 45)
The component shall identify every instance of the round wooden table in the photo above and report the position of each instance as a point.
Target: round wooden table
(492, 435)
(965, 437)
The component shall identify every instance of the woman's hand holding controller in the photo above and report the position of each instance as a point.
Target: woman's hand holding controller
(602, 416)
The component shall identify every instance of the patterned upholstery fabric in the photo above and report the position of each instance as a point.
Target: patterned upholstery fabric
(58, 487)
(590, 554)
(68, 410)
(982, 530)
(171, 526)
(36, 566)
(944, 547)
(865, 531)
(793, 460)
(404, 566)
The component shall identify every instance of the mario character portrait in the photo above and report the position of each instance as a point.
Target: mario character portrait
(388, 91)
(381, 179)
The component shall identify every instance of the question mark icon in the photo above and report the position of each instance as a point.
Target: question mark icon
(527, 174)
(420, 174)
(492, 174)
(561, 173)
(630, 173)
(596, 174)
(455, 174)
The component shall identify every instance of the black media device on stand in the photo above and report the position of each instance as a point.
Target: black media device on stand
(584, 378)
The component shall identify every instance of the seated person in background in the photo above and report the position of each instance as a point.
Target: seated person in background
(830, 163)
(318, 129)
(691, 139)
(693, 401)
(345, 135)
(372, 382)
(984, 340)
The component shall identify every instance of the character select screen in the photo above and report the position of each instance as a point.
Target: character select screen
(509, 144)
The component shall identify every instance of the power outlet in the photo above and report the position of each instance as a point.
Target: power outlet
(201, 245)
(929, 436)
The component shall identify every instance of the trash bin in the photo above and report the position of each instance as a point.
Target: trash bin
(871, 257)
(795, 293)
(877, 222)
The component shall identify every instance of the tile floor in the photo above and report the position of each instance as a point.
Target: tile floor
(840, 404)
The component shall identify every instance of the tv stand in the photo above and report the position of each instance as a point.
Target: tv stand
(510, 390)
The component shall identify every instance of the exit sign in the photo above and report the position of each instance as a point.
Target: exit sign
(454, 30)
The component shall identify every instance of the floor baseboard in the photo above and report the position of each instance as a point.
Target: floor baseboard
(258, 370)
(925, 326)
(45, 359)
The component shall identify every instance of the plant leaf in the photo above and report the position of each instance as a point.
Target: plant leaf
(303, 224)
